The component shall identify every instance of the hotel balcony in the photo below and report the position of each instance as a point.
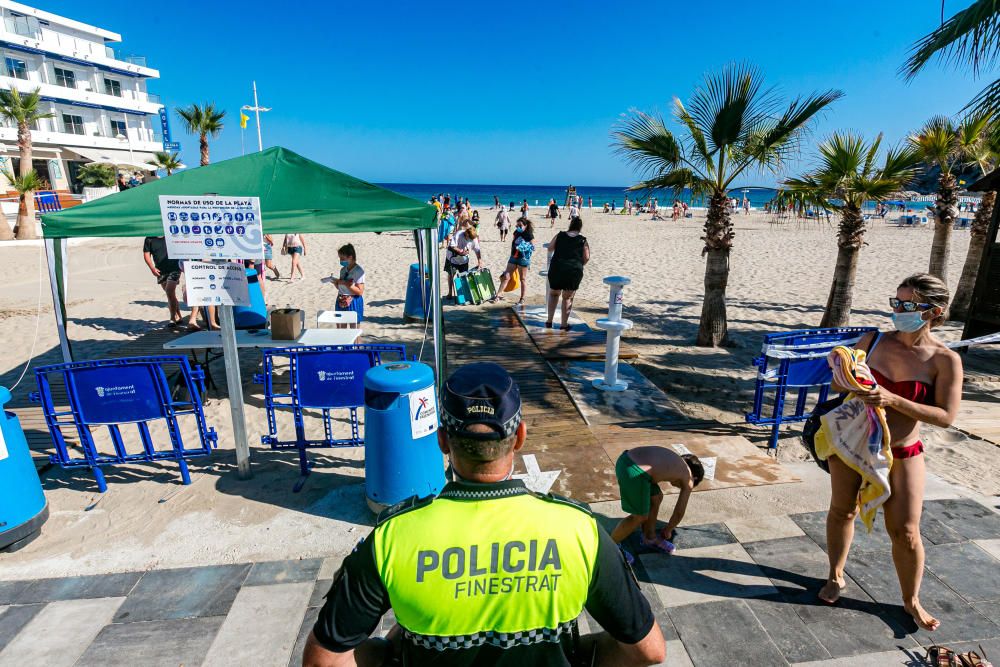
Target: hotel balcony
(45, 40)
(130, 100)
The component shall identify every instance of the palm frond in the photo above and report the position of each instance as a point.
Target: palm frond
(971, 37)
(699, 147)
(676, 181)
(644, 141)
(729, 103)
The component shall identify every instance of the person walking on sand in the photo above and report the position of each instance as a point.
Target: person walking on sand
(503, 223)
(166, 271)
(569, 253)
(524, 208)
(640, 471)
(460, 246)
(521, 249)
(918, 380)
(269, 256)
(295, 247)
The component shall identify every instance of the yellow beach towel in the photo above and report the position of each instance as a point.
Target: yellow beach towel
(856, 433)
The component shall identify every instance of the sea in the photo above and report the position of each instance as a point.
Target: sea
(539, 195)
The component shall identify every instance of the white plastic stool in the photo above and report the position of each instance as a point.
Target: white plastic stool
(336, 317)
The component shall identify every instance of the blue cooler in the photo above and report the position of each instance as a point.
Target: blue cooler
(23, 509)
(417, 304)
(253, 316)
(402, 457)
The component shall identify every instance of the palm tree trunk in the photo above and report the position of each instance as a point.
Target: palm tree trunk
(26, 209)
(203, 142)
(946, 208)
(977, 242)
(713, 329)
(838, 304)
(6, 233)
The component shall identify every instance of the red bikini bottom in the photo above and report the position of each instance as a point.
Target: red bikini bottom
(909, 451)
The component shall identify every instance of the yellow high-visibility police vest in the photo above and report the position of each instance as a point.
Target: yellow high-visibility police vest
(486, 564)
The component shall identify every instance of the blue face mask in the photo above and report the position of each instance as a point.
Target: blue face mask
(908, 322)
(344, 262)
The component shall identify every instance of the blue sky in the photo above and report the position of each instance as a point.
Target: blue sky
(518, 92)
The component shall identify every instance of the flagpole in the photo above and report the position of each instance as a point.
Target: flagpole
(256, 108)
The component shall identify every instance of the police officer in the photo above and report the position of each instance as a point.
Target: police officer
(489, 572)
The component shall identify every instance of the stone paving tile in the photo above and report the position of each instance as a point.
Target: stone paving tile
(990, 610)
(991, 547)
(763, 528)
(59, 634)
(724, 632)
(182, 641)
(9, 590)
(271, 643)
(77, 588)
(990, 647)
(652, 597)
(677, 655)
(320, 589)
(283, 571)
(856, 625)
(300, 642)
(966, 569)
(936, 531)
(905, 657)
(183, 593)
(786, 629)
(966, 517)
(814, 525)
(874, 572)
(13, 620)
(709, 573)
(329, 567)
(703, 535)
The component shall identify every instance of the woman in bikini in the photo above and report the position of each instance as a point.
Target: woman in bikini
(919, 381)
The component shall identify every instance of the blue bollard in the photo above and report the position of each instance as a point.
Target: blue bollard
(23, 509)
(417, 304)
(402, 457)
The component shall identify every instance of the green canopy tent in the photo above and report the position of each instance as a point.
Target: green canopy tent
(296, 195)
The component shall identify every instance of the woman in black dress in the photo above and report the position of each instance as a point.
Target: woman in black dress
(569, 251)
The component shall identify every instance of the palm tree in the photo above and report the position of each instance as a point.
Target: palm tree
(202, 120)
(971, 38)
(25, 185)
(732, 125)
(23, 110)
(847, 176)
(946, 145)
(985, 156)
(168, 161)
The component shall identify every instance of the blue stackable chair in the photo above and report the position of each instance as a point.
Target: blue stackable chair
(112, 392)
(796, 361)
(323, 378)
(47, 202)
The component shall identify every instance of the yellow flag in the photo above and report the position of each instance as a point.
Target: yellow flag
(243, 120)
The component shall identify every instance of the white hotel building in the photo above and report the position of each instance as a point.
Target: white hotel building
(101, 109)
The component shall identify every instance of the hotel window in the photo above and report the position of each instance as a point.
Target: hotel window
(65, 78)
(118, 127)
(16, 69)
(112, 87)
(72, 124)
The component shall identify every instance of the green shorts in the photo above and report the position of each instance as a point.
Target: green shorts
(635, 485)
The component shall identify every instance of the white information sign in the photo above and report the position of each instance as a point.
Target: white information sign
(211, 227)
(423, 412)
(209, 284)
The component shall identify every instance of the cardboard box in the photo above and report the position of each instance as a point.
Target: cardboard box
(287, 323)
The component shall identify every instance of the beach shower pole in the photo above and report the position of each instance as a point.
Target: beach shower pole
(614, 325)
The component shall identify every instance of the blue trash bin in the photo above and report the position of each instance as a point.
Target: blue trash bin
(253, 316)
(23, 509)
(417, 303)
(402, 457)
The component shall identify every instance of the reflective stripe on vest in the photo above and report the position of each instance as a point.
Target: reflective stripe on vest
(506, 571)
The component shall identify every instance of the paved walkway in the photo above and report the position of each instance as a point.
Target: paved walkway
(738, 593)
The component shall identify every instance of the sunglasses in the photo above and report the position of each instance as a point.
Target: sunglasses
(908, 306)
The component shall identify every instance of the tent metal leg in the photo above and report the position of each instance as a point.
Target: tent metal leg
(440, 366)
(235, 382)
(57, 283)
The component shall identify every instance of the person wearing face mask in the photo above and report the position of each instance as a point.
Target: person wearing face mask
(351, 283)
(488, 572)
(919, 381)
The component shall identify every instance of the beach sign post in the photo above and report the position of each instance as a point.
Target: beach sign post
(215, 230)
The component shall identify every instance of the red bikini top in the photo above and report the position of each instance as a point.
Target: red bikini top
(911, 390)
